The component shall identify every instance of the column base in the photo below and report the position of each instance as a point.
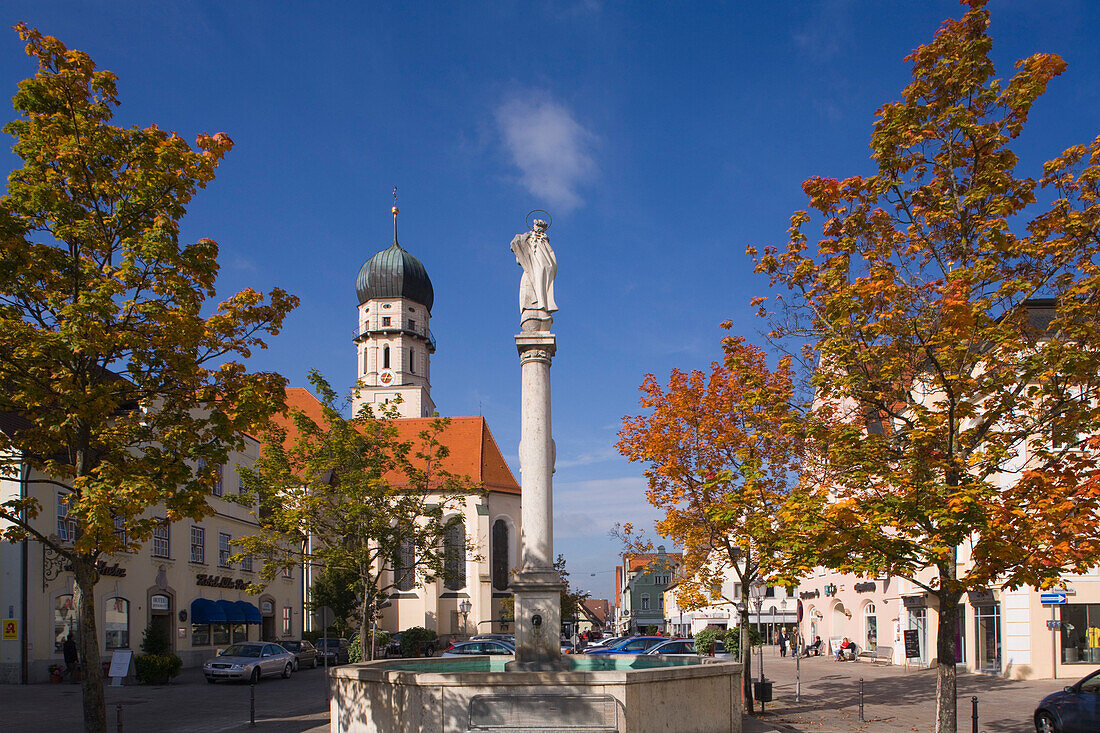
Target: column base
(538, 621)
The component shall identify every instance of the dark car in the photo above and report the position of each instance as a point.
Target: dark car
(335, 650)
(1076, 709)
(305, 654)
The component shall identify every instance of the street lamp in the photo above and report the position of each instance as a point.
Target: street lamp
(757, 593)
(464, 608)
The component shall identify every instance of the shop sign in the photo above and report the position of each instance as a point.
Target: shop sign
(868, 587)
(914, 601)
(807, 594)
(101, 567)
(159, 603)
(220, 581)
(11, 629)
(830, 590)
(267, 608)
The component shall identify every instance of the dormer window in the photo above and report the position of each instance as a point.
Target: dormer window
(412, 325)
(385, 321)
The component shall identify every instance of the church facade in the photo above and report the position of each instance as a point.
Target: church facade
(393, 350)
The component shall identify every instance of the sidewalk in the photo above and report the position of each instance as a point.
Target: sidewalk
(895, 699)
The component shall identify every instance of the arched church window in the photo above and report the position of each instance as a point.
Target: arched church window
(385, 357)
(454, 557)
(500, 554)
(404, 565)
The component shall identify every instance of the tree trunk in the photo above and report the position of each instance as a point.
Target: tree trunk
(946, 678)
(95, 706)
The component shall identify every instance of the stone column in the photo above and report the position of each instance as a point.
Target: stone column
(537, 585)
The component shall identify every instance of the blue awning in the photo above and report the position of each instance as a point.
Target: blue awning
(205, 611)
(251, 613)
(233, 614)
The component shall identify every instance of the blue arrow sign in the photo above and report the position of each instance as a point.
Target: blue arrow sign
(1048, 599)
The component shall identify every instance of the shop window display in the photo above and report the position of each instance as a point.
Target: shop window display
(219, 634)
(116, 623)
(1079, 635)
(200, 635)
(64, 621)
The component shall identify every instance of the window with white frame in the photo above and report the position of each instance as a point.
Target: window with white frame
(246, 563)
(160, 538)
(288, 623)
(198, 544)
(66, 526)
(288, 571)
(240, 483)
(223, 549)
(120, 530)
(645, 601)
(216, 487)
(116, 623)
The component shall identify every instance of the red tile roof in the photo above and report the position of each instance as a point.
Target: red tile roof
(473, 451)
(640, 561)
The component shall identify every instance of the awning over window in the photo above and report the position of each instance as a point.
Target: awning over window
(205, 611)
(251, 613)
(233, 614)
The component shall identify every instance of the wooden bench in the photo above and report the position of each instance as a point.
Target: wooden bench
(541, 713)
(883, 654)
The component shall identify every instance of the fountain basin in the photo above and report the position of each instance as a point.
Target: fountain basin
(651, 694)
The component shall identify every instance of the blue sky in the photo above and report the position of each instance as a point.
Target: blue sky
(663, 137)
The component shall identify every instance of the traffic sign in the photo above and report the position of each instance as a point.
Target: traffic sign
(1052, 599)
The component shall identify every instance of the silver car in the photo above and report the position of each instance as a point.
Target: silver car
(249, 661)
(490, 647)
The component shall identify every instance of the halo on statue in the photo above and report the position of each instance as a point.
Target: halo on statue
(529, 221)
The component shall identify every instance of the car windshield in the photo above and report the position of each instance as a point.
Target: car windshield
(242, 650)
(291, 646)
(329, 643)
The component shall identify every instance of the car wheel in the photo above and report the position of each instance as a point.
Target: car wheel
(296, 662)
(313, 664)
(1044, 723)
(255, 675)
(287, 670)
(429, 652)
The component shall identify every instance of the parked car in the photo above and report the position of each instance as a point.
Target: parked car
(249, 661)
(393, 648)
(1076, 709)
(491, 647)
(631, 645)
(605, 643)
(304, 653)
(686, 648)
(336, 650)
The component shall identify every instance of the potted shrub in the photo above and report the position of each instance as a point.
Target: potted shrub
(158, 665)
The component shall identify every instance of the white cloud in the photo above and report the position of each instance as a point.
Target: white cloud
(592, 508)
(551, 149)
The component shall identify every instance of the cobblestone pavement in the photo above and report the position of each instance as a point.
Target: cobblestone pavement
(189, 704)
(896, 699)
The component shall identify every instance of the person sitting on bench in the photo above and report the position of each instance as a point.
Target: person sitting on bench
(814, 649)
(846, 648)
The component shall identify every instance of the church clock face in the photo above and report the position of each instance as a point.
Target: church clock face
(385, 377)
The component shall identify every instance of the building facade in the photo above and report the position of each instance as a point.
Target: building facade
(393, 350)
(182, 581)
(640, 583)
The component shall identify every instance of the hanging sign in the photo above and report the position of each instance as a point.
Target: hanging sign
(158, 603)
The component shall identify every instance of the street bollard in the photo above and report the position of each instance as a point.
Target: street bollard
(118, 717)
(861, 718)
(974, 715)
(252, 706)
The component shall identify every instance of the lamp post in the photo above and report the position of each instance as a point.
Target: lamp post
(757, 593)
(464, 608)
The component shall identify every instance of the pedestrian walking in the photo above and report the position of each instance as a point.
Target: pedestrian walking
(72, 663)
(782, 643)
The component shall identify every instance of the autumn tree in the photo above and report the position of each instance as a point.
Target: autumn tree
(348, 496)
(953, 333)
(122, 383)
(719, 461)
(571, 598)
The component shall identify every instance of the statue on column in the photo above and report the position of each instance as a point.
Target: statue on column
(536, 285)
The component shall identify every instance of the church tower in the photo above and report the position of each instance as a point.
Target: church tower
(393, 343)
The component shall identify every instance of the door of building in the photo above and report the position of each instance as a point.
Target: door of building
(987, 621)
(160, 617)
